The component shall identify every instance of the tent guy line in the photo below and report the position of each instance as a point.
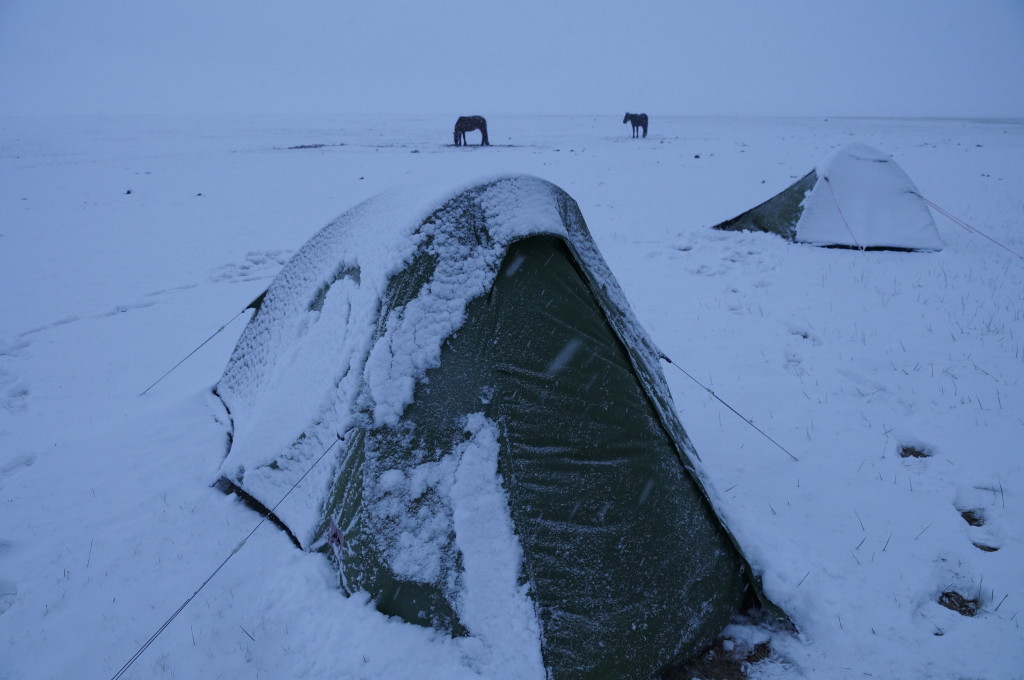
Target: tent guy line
(967, 227)
(255, 304)
(135, 657)
(215, 334)
(724, 403)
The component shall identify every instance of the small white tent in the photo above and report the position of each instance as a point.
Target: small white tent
(857, 197)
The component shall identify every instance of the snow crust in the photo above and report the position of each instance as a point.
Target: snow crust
(495, 606)
(864, 199)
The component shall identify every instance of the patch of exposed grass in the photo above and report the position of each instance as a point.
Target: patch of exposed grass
(960, 604)
(974, 517)
(909, 451)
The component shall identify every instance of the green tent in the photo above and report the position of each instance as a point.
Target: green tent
(488, 405)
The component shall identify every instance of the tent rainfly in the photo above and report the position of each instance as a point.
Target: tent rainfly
(503, 451)
(856, 198)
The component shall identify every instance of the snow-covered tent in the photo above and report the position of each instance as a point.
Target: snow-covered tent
(502, 451)
(857, 197)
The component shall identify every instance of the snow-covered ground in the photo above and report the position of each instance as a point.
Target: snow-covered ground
(126, 242)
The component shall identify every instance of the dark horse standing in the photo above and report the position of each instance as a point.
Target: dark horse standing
(639, 120)
(466, 123)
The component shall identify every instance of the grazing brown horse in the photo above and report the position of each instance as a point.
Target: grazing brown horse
(639, 120)
(466, 123)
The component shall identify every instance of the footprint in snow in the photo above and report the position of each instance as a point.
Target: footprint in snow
(980, 507)
(257, 265)
(11, 464)
(8, 588)
(13, 350)
(15, 398)
(794, 363)
(8, 591)
(13, 392)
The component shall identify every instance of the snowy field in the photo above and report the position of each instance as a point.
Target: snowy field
(126, 242)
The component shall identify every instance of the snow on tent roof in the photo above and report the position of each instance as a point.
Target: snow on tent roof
(504, 459)
(857, 197)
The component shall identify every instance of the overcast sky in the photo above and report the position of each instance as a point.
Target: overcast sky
(786, 57)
